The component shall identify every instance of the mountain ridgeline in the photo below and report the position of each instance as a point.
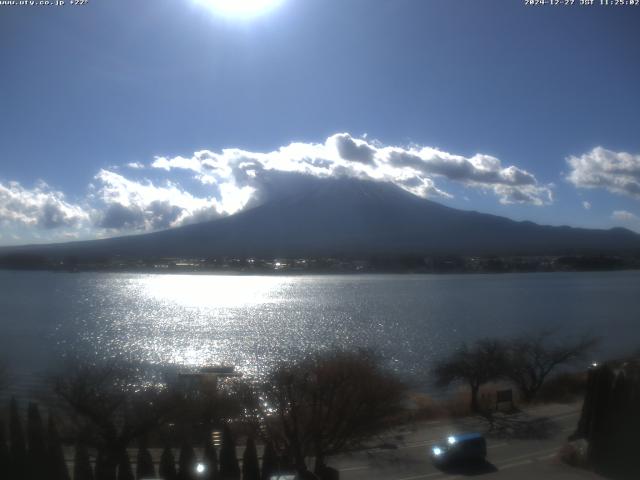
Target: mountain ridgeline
(354, 218)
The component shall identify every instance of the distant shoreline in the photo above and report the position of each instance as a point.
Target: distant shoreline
(317, 265)
(307, 273)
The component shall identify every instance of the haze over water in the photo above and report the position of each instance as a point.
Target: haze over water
(254, 321)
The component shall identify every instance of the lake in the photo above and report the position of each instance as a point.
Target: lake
(254, 321)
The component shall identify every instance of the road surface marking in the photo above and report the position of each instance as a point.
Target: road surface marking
(547, 457)
(564, 415)
(351, 469)
(429, 444)
(515, 464)
(498, 445)
(426, 475)
(416, 445)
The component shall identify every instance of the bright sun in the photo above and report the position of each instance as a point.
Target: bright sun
(239, 8)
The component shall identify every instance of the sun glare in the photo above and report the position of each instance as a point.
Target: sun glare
(239, 8)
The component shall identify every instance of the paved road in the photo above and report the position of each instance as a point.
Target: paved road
(522, 446)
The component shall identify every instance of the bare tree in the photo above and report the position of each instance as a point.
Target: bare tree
(474, 365)
(532, 358)
(198, 411)
(329, 403)
(104, 400)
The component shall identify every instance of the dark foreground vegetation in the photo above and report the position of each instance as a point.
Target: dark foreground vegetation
(303, 413)
(610, 421)
(113, 425)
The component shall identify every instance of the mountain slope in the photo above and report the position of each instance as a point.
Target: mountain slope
(352, 217)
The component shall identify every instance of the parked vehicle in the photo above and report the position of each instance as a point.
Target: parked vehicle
(468, 447)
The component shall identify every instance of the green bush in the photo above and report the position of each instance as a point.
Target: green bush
(229, 468)
(186, 462)
(57, 465)
(37, 450)
(17, 448)
(168, 465)
(250, 467)
(211, 460)
(4, 451)
(125, 472)
(81, 464)
(269, 461)
(144, 463)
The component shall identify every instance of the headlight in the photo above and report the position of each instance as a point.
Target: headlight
(451, 440)
(437, 451)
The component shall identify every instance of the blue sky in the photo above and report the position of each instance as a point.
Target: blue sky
(527, 112)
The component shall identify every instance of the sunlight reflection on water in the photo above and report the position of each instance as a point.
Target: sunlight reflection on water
(195, 320)
(200, 291)
(252, 322)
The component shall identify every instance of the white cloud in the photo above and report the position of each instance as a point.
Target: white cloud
(132, 205)
(624, 216)
(354, 149)
(231, 180)
(135, 165)
(586, 205)
(40, 207)
(413, 168)
(617, 172)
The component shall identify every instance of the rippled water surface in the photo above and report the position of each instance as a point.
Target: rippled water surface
(253, 321)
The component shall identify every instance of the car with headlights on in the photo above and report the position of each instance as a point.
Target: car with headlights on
(466, 447)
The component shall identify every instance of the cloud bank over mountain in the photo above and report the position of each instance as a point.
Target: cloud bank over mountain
(142, 205)
(414, 168)
(173, 191)
(41, 207)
